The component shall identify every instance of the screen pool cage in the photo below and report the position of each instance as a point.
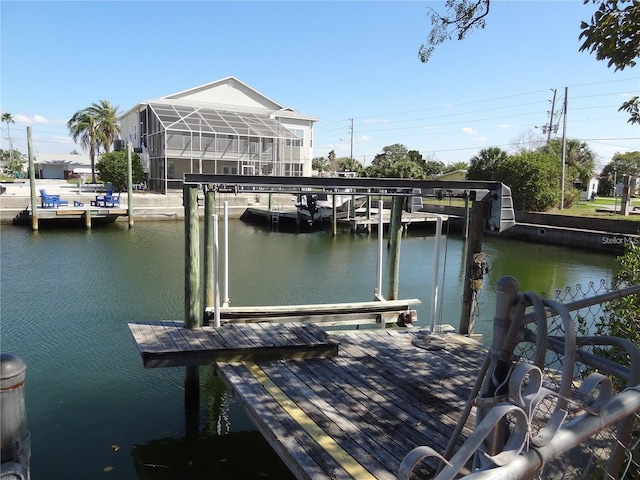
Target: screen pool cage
(189, 139)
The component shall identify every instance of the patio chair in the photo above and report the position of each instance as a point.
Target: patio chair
(51, 201)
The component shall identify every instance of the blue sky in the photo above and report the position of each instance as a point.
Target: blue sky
(333, 60)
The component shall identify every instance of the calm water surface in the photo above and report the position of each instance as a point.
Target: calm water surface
(94, 412)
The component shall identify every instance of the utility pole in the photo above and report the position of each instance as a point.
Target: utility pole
(553, 105)
(351, 157)
(564, 144)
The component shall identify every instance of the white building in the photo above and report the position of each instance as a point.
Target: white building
(61, 165)
(223, 127)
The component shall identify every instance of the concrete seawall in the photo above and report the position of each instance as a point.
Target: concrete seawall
(601, 234)
(146, 205)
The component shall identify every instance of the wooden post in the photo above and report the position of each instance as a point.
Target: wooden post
(474, 246)
(209, 210)
(465, 228)
(129, 187)
(334, 219)
(192, 299)
(87, 219)
(32, 181)
(395, 236)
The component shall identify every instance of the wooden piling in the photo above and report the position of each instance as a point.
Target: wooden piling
(192, 300)
(474, 246)
(32, 181)
(395, 236)
(87, 219)
(129, 187)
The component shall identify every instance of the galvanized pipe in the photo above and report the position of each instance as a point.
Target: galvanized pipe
(15, 444)
(528, 465)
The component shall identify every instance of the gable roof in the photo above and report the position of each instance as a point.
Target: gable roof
(228, 94)
(227, 91)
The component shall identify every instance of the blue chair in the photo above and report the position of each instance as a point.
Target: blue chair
(51, 201)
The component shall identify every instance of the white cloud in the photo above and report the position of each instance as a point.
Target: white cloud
(364, 138)
(470, 131)
(30, 119)
(505, 125)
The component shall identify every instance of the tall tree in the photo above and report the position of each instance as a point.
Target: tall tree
(484, 164)
(577, 155)
(108, 127)
(95, 126)
(621, 164)
(83, 126)
(612, 33)
(8, 118)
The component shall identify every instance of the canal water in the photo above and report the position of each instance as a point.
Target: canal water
(94, 412)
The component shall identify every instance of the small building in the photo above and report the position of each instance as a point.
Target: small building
(61, 165)
(222, 127)
(453, 176)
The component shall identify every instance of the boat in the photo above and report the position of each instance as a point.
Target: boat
(317, 207)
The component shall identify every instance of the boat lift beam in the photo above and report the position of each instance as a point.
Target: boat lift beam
(501, 214)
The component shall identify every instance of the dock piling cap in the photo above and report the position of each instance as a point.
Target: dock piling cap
(12, 370)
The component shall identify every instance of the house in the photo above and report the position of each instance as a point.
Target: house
(452, 176)
(222, 127)
(61, 165)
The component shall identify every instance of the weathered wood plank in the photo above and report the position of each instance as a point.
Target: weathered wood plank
(169, 344)
(377, 400)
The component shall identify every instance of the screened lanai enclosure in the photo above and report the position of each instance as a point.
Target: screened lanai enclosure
(183, 139)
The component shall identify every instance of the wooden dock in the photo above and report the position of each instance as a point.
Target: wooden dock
(79, 214)
(353, 407)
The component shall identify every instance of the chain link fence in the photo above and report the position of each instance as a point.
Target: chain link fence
(614, 453)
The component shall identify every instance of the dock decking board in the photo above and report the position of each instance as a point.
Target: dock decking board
(378, 399)
(169, 344)
(350, 413)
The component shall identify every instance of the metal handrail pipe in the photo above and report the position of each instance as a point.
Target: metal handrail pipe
(528, 465)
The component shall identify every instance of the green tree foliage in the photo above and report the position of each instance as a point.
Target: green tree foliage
(577, 154)
(320, 164)
(484, 164)
(113, 169)
(534, 179)
(454, 167)
(396, 161)
(621, 164)
(346, 164)
(95, 126)
(433, 167)
(612, 33)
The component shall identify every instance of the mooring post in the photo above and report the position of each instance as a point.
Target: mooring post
(494, 385)
(395, 237)
(192, 300)
(225, 247)
(15, 444)
(465, 228)
(474, 245)
(129, 187)
(87, 219)
(209, 209)
(334, 219)
(32, 181)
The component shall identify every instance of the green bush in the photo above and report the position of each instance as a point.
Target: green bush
(113, 169)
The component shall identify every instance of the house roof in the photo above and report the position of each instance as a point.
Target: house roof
(228, 94)
(211, 120)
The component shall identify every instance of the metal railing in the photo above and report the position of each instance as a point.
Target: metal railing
(552, 400)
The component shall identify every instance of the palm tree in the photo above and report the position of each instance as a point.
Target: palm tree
(484, 164)
(95, 126)
(8, 118)
(108, 127)
(83, 126)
